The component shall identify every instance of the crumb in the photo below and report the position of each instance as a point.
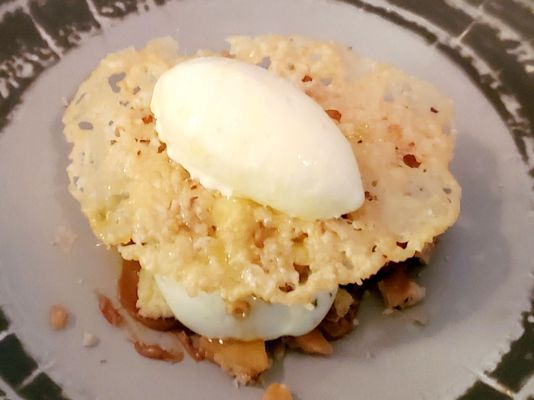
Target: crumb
(64, 101)
(156, 352)
(313, 343)
(355, 322)
(399, 291)
(89, 340)
(388, 311)
(277, 391)
(109, 311)
(243, 360)
(236, 383)
(64, 239)
(420, 319)
(334, 114)
(58, 316)
(103, 361)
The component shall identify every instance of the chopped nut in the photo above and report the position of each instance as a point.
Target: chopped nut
(58, 317)
(342, 302)
(399, 291)
(156, 352)
(307, 78)
(89, 340)
(313, 343)
(277, 391)
(147, 119)
(109, 311)
(341, 318)
(162, 147)
(334, 114)
(411, 161)
(244, 360)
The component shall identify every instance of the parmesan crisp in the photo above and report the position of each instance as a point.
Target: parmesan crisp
(138, 200)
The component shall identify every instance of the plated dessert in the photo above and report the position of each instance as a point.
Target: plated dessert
(253, 193)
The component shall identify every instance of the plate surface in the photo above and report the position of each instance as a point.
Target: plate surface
(479, 341)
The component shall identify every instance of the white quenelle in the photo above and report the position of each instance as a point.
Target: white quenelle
(240, 129)
(206, 314)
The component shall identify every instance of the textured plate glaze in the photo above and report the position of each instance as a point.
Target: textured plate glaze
(478, 343)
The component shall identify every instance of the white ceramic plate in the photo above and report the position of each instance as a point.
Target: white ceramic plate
(478, 285)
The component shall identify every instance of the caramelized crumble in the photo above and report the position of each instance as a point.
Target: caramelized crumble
(341, 317)
(109, 311)
(277, 391)
(243, 360)
(398, 290)
(334, 114)
(156, 352)
(58, 316)
(313, 342)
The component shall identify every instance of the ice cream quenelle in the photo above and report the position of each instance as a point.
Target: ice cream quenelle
(242, 130)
